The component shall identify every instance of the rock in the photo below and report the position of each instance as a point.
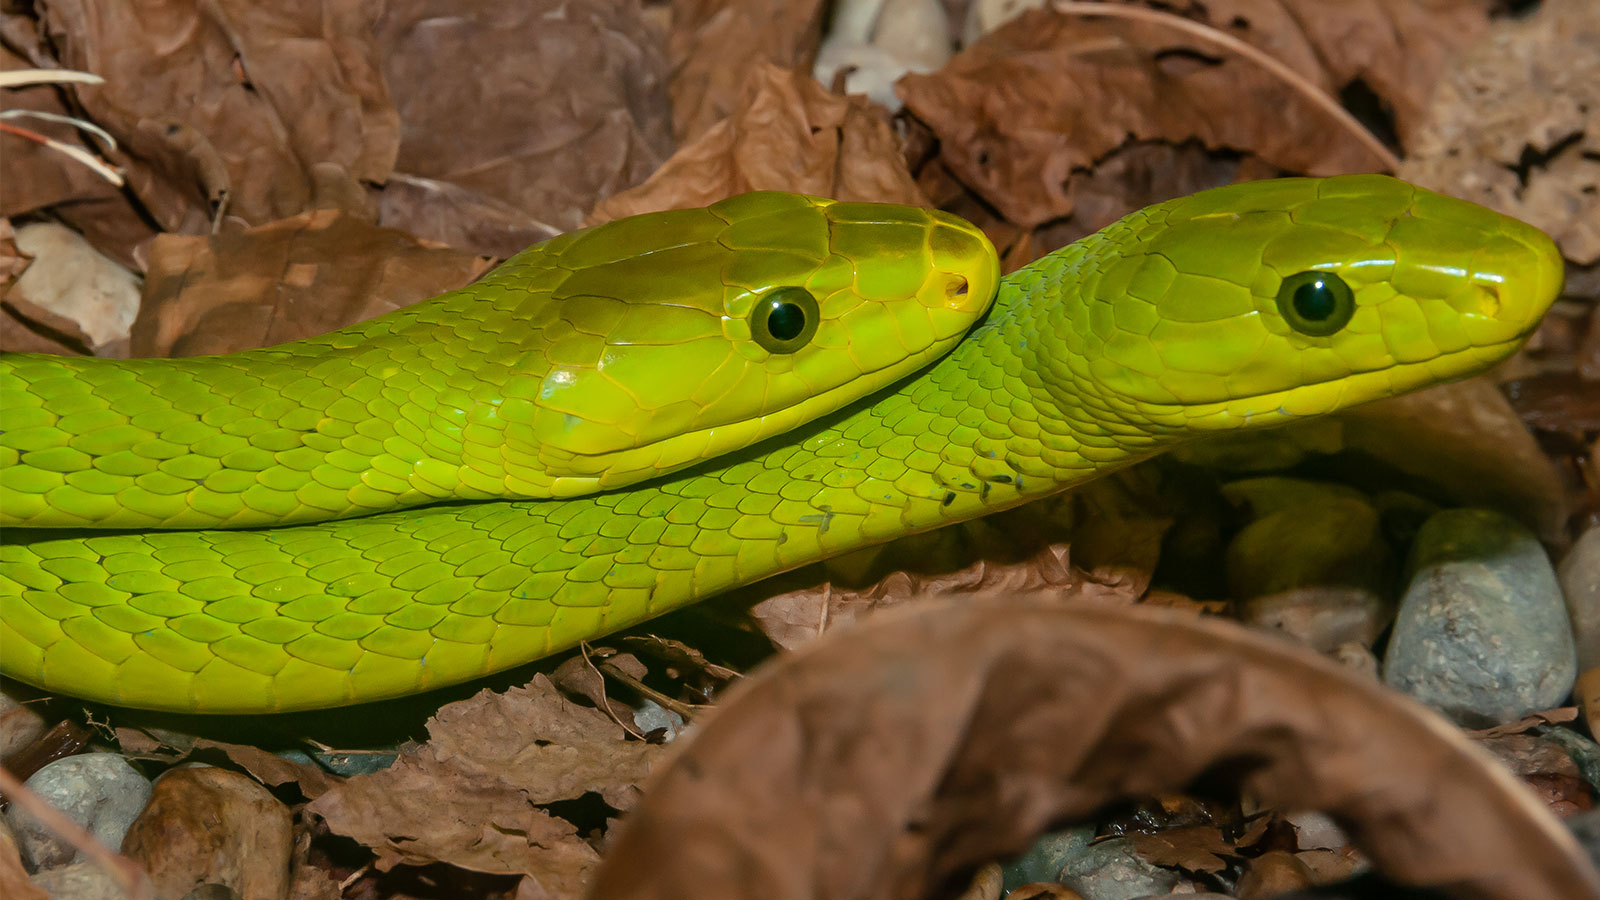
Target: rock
(1482, 634)
(1112, 870)
(1044, 860)
(1316, 831)
(79, 881)
(1580, 584)
(1312, 564)
(70, 278)
(1272, 873)
(99, 791)
(208, 826)
(1357, 658)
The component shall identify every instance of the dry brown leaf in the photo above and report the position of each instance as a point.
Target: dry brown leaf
(787, 134)
(1466, 441)
(882, 761)
(38, 178)
(1198, 848)
(1098, 543)
(267, 92)
(715, 46)
(544, 109)
(1515, 125)
(1038, 101)
(287, 280)
(469, 797)
(1558, 401)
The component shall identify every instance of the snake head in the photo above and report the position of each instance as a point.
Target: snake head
(1265, 302)
(672, 337)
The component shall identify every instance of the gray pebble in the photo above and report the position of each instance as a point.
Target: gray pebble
(1112, 870)
(99, 791)
(1045, 859)
(651, 716)
(79, 881)
(1580, 583)
(1482, 634)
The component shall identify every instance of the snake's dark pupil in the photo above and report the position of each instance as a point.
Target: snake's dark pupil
(786, 321)
(1314, 301)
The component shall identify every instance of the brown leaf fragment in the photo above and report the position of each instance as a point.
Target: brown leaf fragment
(469, 797)
(886, 759)
(1466, 441)
(301, 276)
(39, 179)
(26, 328)
(267, 91)
(555, 105)
(786, 134)
(1098, 543)
(1197, 848)
(715, 45)
(1047, 95)
(1528, 723)
(1515, 125)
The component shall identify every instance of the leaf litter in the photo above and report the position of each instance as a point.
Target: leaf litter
(331, 166)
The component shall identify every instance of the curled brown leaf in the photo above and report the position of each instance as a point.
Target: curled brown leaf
(880, 762)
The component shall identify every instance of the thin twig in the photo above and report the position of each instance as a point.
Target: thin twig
(81, 124)
(77, 154)
(17, 78)
(1217, 36)
(678, 706)
(605, 701)
(125, 872)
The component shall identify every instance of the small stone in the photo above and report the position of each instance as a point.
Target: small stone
(1316, 831)
(99, 791)
(1272, 873)
(1045, 859)
(656, 720)
(79, 881)
(209, 826)
(1357, 658)
(1113, 870)
(1482, 634)
(1311, 564)
(1580, 583)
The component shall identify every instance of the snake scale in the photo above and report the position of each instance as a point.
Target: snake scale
(1246, 306)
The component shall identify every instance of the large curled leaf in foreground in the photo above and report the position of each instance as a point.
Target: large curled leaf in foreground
(878, 763)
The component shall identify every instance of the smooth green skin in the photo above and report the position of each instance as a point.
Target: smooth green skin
(1161, 328)
(588, 362)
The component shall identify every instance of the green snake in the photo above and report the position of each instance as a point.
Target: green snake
(1246, 306)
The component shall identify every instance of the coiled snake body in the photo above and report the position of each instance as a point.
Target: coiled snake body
(1247, 306)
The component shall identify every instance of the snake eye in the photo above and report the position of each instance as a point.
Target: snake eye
(784, 320)
(1316, 303)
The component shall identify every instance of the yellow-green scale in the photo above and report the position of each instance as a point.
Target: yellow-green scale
(1062, 382)
(403, 601)
(365, 419)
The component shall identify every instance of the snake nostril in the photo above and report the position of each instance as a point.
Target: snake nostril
(1488, 300)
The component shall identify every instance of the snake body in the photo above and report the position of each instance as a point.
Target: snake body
(1246, 306)
(591, 361)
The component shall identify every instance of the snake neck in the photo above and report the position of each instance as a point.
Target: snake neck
(1002, 420)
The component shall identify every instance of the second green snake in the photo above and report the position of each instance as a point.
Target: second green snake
(1247, 306)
